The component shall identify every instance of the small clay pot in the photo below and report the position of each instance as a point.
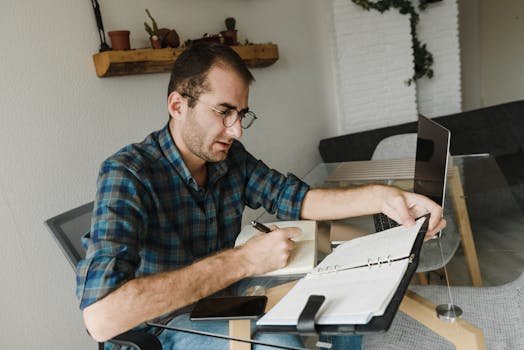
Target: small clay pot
(119, 39)
(229, 36)
(155, 42)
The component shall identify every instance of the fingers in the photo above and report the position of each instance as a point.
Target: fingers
(292, 232)
(288, 232)
(398, 210)
(436, 221)
(422, 205)
(282, 245)
(404, 207)
(431, 233)
(271, 251)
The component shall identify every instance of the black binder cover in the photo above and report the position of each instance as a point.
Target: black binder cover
(377, 323)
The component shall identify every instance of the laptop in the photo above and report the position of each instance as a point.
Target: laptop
(431, 166)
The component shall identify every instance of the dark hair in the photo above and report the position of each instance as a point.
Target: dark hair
(189, 74)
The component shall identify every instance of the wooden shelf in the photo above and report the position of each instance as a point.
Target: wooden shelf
(143, 61)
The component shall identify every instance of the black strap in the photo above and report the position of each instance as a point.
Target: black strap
(306, 320)
(100, 26)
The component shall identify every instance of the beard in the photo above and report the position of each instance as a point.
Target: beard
(201, 144)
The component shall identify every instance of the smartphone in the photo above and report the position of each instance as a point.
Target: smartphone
(231, 308)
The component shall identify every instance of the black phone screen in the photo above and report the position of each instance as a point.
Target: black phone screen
(234, 307)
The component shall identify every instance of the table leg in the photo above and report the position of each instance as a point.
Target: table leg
(461, 333)
(242, 328)
(239, 329)
(461, 213)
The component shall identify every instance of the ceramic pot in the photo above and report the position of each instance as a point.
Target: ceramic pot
(119, 39)
(229, 36)
(155, 42)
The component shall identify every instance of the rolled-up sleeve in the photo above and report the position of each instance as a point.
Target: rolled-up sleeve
(112, 245)
(278, 194)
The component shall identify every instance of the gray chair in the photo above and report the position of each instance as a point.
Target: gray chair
(498, 311)
(67, 229)
(404, 146)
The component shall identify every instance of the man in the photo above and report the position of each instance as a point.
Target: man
(168, 210)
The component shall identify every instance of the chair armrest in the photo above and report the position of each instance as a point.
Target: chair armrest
(138, 340)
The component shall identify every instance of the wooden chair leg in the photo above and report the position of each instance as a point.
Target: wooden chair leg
(422, 278)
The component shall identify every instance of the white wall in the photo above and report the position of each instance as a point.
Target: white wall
(501, 50)
(374, 59)
(438, 28)
(470, 54)
(492, 53)
(59, 121)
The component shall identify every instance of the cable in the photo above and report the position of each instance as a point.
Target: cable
(220, 336)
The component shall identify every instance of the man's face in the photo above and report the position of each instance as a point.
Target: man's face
(204, 133)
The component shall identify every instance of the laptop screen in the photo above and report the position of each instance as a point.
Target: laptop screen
(431, 159)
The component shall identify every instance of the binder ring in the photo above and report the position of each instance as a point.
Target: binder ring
(389, 260)
(379, 263)
(369, 262)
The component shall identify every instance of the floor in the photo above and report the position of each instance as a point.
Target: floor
(500, 249)
(499, 243)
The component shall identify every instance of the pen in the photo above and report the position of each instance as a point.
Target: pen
(260, 227)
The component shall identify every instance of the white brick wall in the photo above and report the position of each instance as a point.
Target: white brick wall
(374, 58)
(373, 61)
(438, 27)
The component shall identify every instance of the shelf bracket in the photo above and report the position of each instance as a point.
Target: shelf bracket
(100, 25)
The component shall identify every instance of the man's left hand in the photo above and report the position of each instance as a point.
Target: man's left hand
(404, 207)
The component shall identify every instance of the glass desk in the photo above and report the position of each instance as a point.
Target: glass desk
(480, 193)
(479, 205)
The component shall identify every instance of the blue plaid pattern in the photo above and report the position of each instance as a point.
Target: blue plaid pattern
(151, 216)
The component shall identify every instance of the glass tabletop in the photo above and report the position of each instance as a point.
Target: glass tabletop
(496, 219)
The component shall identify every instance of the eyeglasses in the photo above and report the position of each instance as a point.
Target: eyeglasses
(230, 115)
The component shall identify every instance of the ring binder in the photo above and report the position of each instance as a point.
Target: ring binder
(356, 297)
(322, 270)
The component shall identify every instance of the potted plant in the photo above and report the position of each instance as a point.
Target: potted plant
(230, 35)
(162, 37)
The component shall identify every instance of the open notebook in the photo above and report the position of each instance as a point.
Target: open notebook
(358, 280)
(303, 258)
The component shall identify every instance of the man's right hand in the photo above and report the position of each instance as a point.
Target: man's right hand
(266, 252)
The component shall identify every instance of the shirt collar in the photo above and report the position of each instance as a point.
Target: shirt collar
(168, 146)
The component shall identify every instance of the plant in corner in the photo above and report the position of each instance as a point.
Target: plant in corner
(162, 37)
(423, 58)
(230, 34)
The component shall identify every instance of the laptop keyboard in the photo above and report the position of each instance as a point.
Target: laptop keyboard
(383, 222)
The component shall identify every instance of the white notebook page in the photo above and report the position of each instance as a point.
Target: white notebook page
(394, 243)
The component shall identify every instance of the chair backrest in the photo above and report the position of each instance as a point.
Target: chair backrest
(431, 258)
(68, 228)
(396, 147)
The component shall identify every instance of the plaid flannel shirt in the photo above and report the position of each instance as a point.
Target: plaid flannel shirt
(151, 216)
